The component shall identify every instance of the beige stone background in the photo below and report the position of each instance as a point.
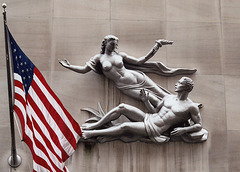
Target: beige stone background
(206, 36)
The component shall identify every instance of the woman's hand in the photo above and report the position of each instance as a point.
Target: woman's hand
(64, 63)
(162, 42)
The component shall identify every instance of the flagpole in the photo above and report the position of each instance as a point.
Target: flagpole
(14, 160)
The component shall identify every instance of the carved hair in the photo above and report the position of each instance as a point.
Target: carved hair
(105, 40)
(188, 83)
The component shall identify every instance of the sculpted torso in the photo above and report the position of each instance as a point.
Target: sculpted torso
(113, 68)
(173, 111)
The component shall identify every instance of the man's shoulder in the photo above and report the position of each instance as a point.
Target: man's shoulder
(193, 107)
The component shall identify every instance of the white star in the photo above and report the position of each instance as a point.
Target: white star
(14, 50)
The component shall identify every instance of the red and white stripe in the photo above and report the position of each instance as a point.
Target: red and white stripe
(48, 129)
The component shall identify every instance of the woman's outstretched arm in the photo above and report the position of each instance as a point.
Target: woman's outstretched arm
(80, 69)
(150, 54)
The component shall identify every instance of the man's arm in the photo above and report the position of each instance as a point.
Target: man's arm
(145, 98)
(197, 126)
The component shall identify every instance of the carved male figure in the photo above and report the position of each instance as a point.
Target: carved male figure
(172, 110)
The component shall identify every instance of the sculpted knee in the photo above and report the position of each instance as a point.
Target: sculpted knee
(121, 107)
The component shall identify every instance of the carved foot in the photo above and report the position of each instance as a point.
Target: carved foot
(87, 134)
(88, 126)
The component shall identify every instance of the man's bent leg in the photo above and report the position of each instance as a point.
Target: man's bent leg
(131, 112)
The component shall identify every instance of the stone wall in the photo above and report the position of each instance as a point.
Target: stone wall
(206, 36)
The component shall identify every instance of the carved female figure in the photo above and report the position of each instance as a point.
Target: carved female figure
(113, 65)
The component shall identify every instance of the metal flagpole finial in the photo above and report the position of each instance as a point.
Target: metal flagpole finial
(4, 5)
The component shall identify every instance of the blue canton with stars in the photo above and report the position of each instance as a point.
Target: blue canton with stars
(21, 64)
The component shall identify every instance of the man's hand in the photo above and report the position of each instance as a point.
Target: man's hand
(178, 131)
(144, 95)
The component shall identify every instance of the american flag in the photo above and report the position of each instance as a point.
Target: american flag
(47, 128)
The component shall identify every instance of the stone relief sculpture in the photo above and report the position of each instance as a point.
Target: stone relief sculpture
(127, 72)
(170, 117)
(169, 120)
